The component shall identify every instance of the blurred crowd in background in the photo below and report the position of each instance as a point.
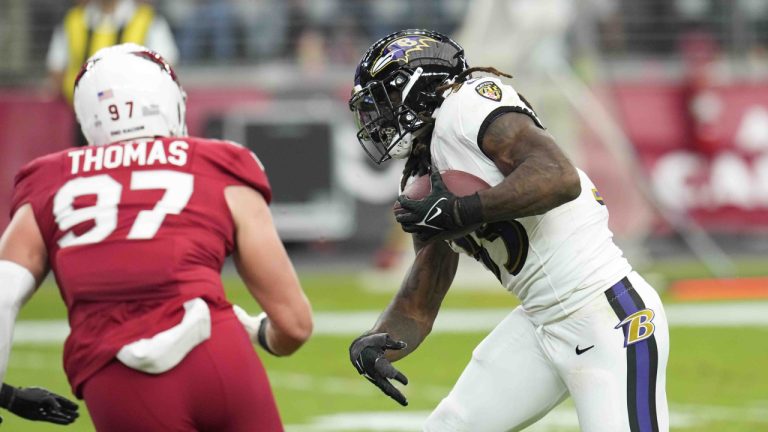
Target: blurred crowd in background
(316, 31)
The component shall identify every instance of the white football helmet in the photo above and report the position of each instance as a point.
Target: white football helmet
(127, 92)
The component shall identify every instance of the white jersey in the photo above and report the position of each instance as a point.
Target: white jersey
(555, 262)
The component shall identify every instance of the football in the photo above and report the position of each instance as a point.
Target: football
(460, 183)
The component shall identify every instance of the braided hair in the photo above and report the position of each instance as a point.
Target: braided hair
(420, 159)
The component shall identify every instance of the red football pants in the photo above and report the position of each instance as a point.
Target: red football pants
(220, 386)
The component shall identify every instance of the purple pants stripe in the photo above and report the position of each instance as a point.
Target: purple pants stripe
(640, 361)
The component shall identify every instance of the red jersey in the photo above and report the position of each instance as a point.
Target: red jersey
(133, 230)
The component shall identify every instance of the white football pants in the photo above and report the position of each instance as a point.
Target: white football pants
(609, 356)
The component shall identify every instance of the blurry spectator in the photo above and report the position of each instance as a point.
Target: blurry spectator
(311, 23)
(595, 29)
(385, 17)
(265, 27)
(754, 24)
(518, 34)
(311, 51)
(95, 24)
(651, 25)
(317, 14)
(703, 107)
(693, 9)
(212, 20)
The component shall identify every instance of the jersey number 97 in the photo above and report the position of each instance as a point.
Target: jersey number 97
(178, 188)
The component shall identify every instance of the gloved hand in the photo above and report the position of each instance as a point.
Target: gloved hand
(367, 356)
(255, 326)
(35, 403)
(439, 213)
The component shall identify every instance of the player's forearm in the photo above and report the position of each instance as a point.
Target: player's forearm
(404, 328)
(282, 344)
(284, 337)
(412, 312)
(536, 186)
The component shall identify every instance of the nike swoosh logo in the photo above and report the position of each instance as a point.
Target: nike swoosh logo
(437, 213)
(582, 351)
(431, 215)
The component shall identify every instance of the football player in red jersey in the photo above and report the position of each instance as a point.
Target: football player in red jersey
(136, 227)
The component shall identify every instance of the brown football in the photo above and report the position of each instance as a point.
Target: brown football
(460, 183)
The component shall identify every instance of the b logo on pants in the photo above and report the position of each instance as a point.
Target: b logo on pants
(639, 326)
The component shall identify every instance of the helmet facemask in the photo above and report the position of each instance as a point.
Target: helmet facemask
(389, 113)
(396, 89)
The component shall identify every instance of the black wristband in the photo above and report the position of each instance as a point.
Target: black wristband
(261, 337)
(7, 394)
(469, 210)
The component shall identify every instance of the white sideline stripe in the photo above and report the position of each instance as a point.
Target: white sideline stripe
(733, 314)
(562, 418)
(351, 385)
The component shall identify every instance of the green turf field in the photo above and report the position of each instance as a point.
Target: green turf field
(717, 379)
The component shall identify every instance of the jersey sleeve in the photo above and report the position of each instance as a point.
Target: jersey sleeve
(29, 185)
(485, 99)
(236, 165)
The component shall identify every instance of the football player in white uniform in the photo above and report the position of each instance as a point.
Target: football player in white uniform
(588, 326)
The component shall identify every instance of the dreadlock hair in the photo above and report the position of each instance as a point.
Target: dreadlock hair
(420, 159)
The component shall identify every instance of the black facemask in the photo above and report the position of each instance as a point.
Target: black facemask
(382, 119)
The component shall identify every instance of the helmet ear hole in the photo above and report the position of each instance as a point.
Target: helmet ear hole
(400, 79)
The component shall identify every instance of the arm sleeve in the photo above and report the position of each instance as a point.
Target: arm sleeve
(18, 284)
(35, 184)
(24, 188)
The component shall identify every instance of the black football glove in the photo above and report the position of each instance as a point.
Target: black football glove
(367, 355)
(35, 403)
(440, 212)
